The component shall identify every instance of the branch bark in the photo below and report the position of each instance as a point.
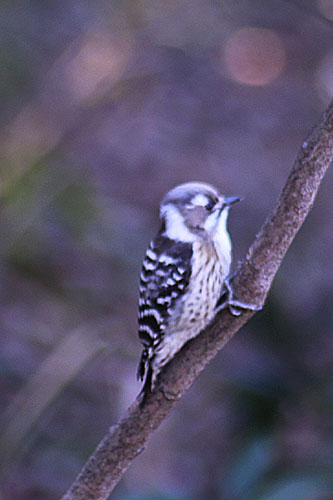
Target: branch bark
(125, 440)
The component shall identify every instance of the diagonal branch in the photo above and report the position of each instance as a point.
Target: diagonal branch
(127, 439)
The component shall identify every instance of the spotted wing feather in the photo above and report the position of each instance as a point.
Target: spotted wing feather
(165, 277)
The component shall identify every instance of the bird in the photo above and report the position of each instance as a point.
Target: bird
(184, 275)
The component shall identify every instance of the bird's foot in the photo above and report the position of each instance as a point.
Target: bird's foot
(235, 306)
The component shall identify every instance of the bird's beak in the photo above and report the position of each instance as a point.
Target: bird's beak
(231, 200)
(227, 202)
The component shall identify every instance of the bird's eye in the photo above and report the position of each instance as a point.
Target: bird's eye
(210, 205)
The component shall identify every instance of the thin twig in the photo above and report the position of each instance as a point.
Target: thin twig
(127, 439)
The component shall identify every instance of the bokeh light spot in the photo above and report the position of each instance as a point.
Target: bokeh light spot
(98, 64)
(254, 56)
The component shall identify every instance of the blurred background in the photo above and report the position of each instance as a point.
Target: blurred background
(105, 106)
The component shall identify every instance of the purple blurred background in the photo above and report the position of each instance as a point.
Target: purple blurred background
(106, 105)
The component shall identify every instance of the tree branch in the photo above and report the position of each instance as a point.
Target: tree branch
(127, 439)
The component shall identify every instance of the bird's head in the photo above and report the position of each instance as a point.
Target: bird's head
(195, 210)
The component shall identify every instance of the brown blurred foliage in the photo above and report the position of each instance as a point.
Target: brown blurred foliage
(106, 106)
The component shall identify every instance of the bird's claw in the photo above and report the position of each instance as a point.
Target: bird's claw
(235, 306)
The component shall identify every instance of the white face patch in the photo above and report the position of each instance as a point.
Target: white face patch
(217, 221)
(200, 200)
(212, 221)
(175, 227)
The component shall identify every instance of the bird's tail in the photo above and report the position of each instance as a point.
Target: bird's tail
(145, 373)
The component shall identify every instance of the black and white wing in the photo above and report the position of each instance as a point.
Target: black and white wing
(165, 277)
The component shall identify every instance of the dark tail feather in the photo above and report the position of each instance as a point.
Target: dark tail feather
(142, 365)
(144, 372)
(146, 389)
